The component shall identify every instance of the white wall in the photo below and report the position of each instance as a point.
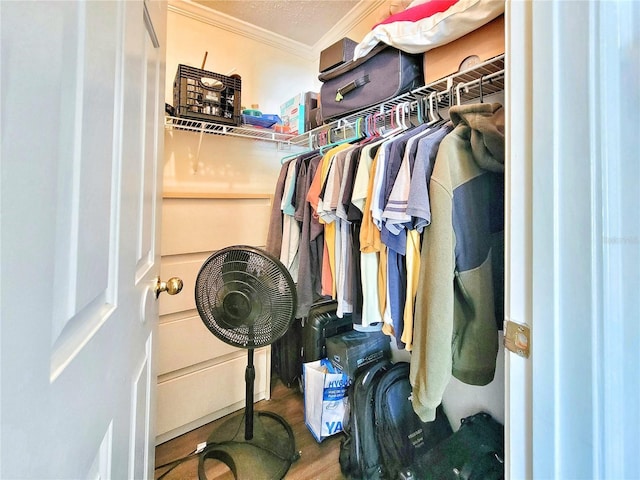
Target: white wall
(217, 164)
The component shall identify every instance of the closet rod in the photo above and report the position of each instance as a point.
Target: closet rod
(474, 88)
(484, 78)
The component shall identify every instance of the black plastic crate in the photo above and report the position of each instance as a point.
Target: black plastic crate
(208, 96)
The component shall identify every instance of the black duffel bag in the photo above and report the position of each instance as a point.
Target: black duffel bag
(474, 452)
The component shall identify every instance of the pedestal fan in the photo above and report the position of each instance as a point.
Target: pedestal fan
(247, 299)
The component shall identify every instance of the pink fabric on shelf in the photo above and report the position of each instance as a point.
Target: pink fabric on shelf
(423, 10)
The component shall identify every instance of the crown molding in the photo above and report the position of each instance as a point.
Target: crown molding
(225, 22)
(220, 20)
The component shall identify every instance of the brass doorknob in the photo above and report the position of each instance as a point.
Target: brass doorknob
(171, 286)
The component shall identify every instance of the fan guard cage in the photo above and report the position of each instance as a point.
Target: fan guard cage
(245, 297)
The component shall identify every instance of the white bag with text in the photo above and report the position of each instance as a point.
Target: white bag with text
(325, 398)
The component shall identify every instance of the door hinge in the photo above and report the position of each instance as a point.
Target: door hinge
(517, 338)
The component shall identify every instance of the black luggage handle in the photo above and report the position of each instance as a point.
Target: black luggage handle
(349, 87)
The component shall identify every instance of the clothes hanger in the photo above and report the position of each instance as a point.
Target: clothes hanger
(458, 87)
(365, 130)
(365, 122)
(433, 101)
(404, 115)
(343, 125)
(384, 130)
(376, 117)
(369, 122)
(419, 106)
(322, 138)
(357, 136)
(401, 122)
(393, 116)
(399, 125)
(284, 159)
(424, 103)
(435, 119)
(339, 142)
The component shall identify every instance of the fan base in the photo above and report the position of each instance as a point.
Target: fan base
(268, 455)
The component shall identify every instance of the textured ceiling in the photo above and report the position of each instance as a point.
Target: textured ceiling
(304, 21)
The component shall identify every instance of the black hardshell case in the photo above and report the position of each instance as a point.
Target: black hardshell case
(321, 323)
(305, 341)
(382, 74)
(286, 362)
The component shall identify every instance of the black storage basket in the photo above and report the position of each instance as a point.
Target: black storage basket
(207, 96)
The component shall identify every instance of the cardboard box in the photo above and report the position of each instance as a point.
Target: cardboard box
(315, 119)
(337, 54)
(295, 112)
(351, 350)
(475, 47)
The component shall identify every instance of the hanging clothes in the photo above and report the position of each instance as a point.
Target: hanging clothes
(396, 272)
(317, 200)
(422, 151)
(370, 245)
(311, 238)
(274, 235)
(344, 261)
(290, 227)
(366, 315)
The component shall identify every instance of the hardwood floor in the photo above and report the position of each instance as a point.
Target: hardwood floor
(318, 461)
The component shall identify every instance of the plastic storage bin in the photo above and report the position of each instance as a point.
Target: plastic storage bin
(264, 120)
(208, 96)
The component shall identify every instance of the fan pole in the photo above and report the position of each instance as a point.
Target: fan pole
(249, 378)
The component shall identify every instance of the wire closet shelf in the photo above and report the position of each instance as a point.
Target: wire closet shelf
(479, 80)
(243, 131)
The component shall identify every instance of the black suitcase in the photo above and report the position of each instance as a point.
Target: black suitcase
(305, 341)
(384, 73)
(286, 361)
(321, 323)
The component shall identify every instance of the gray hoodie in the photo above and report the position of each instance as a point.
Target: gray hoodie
(455, 330)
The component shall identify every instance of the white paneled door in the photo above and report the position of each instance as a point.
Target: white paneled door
(82, 108)
(573, 238)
